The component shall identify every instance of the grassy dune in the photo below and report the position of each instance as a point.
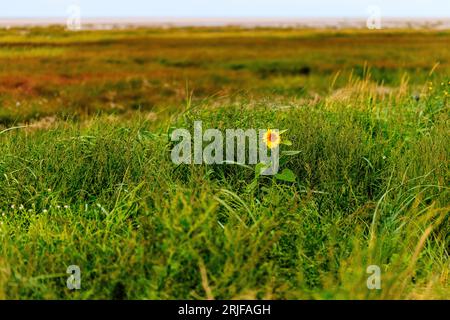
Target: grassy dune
(87, 179)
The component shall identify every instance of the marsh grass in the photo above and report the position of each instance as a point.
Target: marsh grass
(50, 71)
(372, 189)
(87, 180)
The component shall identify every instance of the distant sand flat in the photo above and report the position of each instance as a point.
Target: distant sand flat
(109, 23)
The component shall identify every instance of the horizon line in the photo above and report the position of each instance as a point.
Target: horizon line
(439, 23)
(228, 17)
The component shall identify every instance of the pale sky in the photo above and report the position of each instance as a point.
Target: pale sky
(225, 8)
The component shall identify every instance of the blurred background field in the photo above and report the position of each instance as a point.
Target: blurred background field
(52, 72)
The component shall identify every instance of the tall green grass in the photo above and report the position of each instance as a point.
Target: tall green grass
(372, 188)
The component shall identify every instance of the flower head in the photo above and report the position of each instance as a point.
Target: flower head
(272, 138)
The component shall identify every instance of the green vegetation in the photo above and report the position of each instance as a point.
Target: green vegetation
(87, 179)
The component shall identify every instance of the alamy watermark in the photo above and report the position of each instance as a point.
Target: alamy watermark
(374, 19)
(73, 22)
(74, 280)
(248, 146)
(374, 280)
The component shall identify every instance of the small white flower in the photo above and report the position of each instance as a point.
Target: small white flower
(58, 206)
(49, 190)
(3, 214)
(13, 206)
(44, 211)
(66, 207)
(21, 207)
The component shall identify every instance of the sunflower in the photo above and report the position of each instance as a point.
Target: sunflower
(272, 138)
